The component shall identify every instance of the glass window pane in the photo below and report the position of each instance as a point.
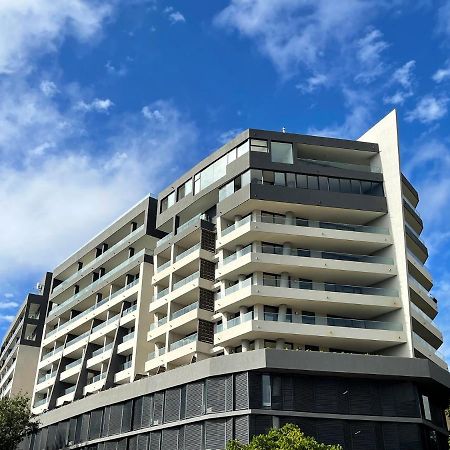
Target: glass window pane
(279, 179)
(281, 152)
(302, 182)
(345, 185)
(256, 175)
(231, 155)
(226, 191)
(268, 177)
(245, 178)
(333, 184)
(266, 392)
(323, 183)
(313, 182)
(258, 143)
(356, 186)
(365, 186)
(290, 179)
(171, 199)
(242, 149)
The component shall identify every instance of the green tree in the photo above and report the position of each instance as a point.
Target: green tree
(16, 421)
(289, 437)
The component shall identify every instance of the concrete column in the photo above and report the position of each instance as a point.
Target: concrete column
(290, 218)
(256, 246)
(243, 310)
(245, 345)
(258, 312)
(280, 344)
(258, 278)
(284, 281)
(259, 344)
(256, 215)
(237, 218)
(282, 310)
(287, 246)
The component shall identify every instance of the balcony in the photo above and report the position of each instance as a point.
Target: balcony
(86, 269)
(308, 264)
(46, 377)
(418, 270)
(95, 383)
(363, 301)
(429, 351)
(108, 277)
(425, 327)
(127, 344)
(335, 332)
(421, 297)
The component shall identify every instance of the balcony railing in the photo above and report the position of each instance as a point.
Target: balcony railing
(85, 268)
(163, 266)
(424, 316)
(422, 342)
(192, 221)
(420, 288)
(46, 377)
(183, 311)
(128, 336)
(41, 402)
(162, 293)
(237, 254)
(158, 324)
(234, 322)
(153, 355)
(333, 321)
(101, 350)
(282, 220)
(53, 352)
(130, 309)
(75, 363)
(126, 365)
(77, 339)
(341, 165)
(107, 322)
(411, 205)
(182, 342)
(70, 389)
(88, 289)
(97, 378)
(186, 280)
(187, 252)
(164, 239)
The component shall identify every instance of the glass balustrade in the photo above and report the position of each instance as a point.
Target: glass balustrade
(187, 252)
(234, 322)
(160, 322)
(162, 293)
(424, 316)
(183, 311)
(246, 250)
(164, 239)
(75, 363)
(92, 286)
(77, 339)
(428, 347)
(98, 377)
(127, 337)
(341, 165)
(53, 352)
(70, 389)
(186, 280)
(156, 354)
(282, 220)
(84, 269)
(41, 402)
(129, 310)
(182, 342)
(107, 322)
(101, 350)
(126, 365)
(46, 377)
(163, 266)
(411, 206)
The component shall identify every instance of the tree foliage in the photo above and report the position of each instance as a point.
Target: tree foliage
(289, 437)
(16, 421)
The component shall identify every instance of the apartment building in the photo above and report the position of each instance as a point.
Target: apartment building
(19, 352)
(96, 327)
(288, 284)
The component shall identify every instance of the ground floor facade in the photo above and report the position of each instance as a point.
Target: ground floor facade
(358, 401)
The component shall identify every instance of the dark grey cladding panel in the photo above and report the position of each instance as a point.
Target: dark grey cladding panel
(313, 140)
(408, 184)
(416, 241)
(263, 161)
(303, 196)
(313, 363)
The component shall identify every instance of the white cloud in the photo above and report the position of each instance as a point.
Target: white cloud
(98, 105)
(58, 202)
(428, 109)
(49, 88)
(398, 98)
(29, 28)
(8, 295)
(6, 318)
(295, 34)
(173, 15)
(227, 135)
(119, 71)
(443, 18)
(442, 74)
(8, 305)
(404, 75)
(369, 53)
(313, 83)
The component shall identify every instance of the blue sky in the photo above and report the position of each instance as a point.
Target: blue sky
(103, 102)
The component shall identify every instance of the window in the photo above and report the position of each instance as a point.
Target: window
(226, 191)
(231, 156)
(290, 180)
(426, 407)
(266, 392)
(313, 182)
(168, 201)
(279, 179)
(270, 344)
(302, 181)
(270, 279)
(242, 149)
(185, 189)
(309, 317)
(257, 145)
(323, 183)
(281, 152)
